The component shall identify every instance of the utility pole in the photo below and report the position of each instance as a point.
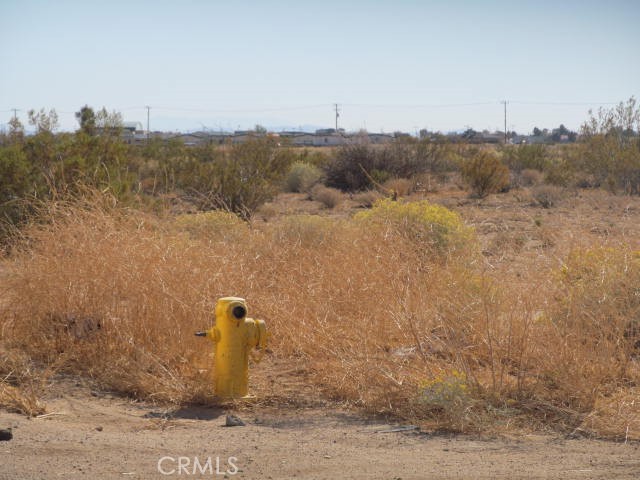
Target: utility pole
(15, 114)
(504, 102)
(148, 113)
(337, 115)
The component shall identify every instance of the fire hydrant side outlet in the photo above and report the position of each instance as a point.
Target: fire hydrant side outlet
(213, 334)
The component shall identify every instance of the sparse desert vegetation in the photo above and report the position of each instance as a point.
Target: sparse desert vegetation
(508, 309)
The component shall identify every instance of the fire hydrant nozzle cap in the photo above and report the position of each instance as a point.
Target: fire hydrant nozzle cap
(239, 311)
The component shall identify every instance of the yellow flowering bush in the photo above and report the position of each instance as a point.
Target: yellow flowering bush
(432, 226)
(444, 390)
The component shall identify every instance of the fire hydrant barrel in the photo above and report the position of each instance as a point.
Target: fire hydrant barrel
(234, 336)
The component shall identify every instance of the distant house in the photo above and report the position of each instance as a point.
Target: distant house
(241, 136)
(200, 138)
(132, 127)
(496, 137)
(298, 139)
(531, 139)
(190, 139)
(328, 137)
(218, 138)
(380, 138)
(132, 132)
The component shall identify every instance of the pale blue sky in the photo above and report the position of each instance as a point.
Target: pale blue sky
(390, 64)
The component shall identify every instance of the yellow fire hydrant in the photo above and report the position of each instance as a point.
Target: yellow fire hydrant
(234, 335)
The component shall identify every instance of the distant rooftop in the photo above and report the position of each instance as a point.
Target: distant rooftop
(135, 126)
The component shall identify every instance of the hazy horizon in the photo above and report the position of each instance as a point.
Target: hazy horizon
(402, 65)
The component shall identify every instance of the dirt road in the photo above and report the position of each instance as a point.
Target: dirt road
(106, 437)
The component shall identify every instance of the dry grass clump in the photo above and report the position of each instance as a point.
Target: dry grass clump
(596, 326)
(530, 177)
(215, 225)
(367, 198)
(329, 197)
(548, 196)
(401, 187)
(21, 383)
(379, 323)
(302, 177)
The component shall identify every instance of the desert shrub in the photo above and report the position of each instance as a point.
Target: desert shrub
(595, 323)
(446, 394)
(268, 211)
(302, 176)
(345, 169)
(526, 157)
(398, 159)
(433, 227)
(430, 183)
(367, 198)
(329, 197)
(562, 171)
(16, 186)
(610, 147)
(548, 195)
(437, 156)
(401, 159)
(400, 186)
(240, 178)
(485, 173)
(313, 156)
(530, 177)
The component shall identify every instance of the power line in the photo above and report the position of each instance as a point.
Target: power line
(259, 110)
(580, 104)
(356, 105)
(432, 105)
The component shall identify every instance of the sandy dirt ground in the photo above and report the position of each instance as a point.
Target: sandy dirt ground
(87, 434)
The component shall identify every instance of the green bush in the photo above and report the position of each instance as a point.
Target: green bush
(610, 147)
(16, 185)
(302, 176)
(485, 174)
(523, 157)
(239, 178)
